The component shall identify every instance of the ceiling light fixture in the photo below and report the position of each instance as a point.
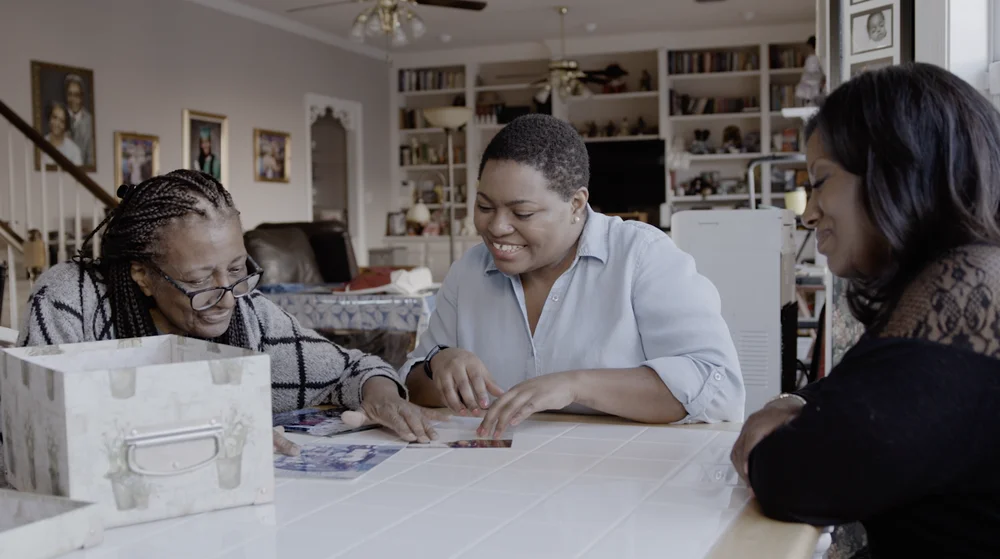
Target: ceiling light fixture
(389, 18)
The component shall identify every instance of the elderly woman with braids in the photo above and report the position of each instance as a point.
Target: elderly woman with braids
(172, 261)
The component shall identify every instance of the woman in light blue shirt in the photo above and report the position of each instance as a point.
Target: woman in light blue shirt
(564, 308)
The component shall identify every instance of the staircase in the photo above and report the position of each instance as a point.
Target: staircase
(58, 203)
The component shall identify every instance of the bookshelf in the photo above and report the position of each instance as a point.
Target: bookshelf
(738, 85)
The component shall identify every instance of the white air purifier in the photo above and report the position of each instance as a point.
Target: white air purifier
(750, 257)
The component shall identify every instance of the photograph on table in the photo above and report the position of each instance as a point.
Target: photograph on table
(63, 106)
(137, 157)
(272, 153)
(333, 461)
(871, 30)
(206, 140)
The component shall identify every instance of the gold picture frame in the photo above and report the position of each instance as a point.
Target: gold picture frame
(209, 130)
(272, 155)
(137, 157)
(59, 89)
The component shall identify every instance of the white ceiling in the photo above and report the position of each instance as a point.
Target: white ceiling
(521, 21)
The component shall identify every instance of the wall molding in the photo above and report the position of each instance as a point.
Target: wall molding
(290, 25)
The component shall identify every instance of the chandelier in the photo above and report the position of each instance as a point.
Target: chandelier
(394, 19)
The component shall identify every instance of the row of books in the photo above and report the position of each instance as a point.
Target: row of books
(430, 80)
(783, 96)
(712, 61)
(684, 104)
(787, 57)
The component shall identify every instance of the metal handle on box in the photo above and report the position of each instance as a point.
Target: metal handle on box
(170, 437)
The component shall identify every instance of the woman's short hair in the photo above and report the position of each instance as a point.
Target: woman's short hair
(549, 145)
(926, 146)
(52, 106)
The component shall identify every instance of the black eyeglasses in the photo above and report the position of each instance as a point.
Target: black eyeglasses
(203, 299)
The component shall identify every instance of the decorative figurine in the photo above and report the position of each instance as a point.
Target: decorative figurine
(610, 130)
(700, 144)
(731, 141)
(645, 81)
(592, 131)
(625, 129)
(809, 90)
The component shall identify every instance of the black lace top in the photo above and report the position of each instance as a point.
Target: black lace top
(904, 434)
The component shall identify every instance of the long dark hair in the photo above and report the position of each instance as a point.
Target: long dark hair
(926, 145)
(133, 233)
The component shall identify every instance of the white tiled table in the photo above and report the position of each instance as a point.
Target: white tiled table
(569, 487)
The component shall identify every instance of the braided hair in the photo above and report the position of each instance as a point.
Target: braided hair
(133, 231)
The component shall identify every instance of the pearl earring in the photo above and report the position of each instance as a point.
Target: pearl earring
(576, 219)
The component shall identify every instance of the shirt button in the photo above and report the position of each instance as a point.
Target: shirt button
(555, 298)
(718, 376)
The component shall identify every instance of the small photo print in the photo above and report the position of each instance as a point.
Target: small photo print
(468, 443)
(318, 422)
(860, 67)
(871, 30)
(333, 461)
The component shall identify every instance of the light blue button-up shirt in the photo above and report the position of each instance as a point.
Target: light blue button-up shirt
(630, 298)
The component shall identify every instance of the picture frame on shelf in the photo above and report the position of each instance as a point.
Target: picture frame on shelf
(206, 144)
(272, 155)
(63, 106)
(871, 30)
(137, 157)
(396, 224)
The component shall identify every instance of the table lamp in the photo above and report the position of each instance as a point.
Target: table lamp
(450, 119)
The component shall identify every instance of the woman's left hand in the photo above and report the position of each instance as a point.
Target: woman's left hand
(382, 404)
(548, 392)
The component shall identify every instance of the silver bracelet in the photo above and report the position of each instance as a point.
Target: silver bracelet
(784, 395)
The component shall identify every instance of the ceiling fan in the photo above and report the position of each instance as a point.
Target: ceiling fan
(569, 79)
(391, 18)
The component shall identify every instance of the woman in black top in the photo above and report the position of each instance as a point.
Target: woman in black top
(904, 434)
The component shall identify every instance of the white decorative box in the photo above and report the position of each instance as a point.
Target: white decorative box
(43, 527)
(150, 428)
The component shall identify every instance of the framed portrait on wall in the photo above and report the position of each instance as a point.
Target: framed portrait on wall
(137, 157)
(859, 67)
(272, 153)
(63, 106)
(206, 141)
(871, 30)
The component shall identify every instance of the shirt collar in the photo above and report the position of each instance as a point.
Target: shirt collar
(593, 240)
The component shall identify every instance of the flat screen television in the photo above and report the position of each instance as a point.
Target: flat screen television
(627, 176)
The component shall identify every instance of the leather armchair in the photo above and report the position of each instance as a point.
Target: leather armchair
(303, 252)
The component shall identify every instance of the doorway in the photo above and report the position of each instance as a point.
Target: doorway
(329, 169)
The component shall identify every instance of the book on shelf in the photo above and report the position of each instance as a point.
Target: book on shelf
(684, 104)
(695, 62)
(783, 57)
(430, 80)
(783, 97)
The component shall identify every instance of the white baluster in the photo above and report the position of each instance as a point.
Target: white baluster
(10, 176)
(12, 276)
(28, 218)
(77, 226)
(45, 216)
(61, 252)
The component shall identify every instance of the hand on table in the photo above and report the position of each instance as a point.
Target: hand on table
(758, 426)
(283, 445)
(548, 392)
(381, 403)
(463, 381)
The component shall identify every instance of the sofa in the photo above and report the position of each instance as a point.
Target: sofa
(317, 252)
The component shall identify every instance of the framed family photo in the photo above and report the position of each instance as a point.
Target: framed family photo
(63, 106)
(871, 30)
(272, 153)
(206, 141)
(137, 157)
(859, 67)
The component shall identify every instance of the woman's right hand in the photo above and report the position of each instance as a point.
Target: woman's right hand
(463, 381)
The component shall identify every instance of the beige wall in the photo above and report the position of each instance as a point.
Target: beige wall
(154, 58)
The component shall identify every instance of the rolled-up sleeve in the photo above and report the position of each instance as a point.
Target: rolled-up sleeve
(684, 337)
(443, 325)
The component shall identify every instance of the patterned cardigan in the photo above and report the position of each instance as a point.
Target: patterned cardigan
(70, 304)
